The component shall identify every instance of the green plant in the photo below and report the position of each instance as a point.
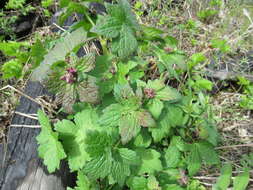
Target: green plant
(138, 132)
(247, 97)
(207, 15)
(240, 182)
(20, 54)
(221, 45)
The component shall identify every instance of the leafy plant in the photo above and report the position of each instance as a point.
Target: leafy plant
(247, 97)
(207, 15)
(138, 131)
(240, 182)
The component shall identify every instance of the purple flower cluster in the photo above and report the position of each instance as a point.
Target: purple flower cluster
(149, 92)
(70, 76)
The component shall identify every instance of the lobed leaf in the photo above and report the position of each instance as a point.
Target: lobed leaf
(50, 149)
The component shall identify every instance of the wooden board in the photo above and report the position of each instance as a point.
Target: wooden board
(22, 169)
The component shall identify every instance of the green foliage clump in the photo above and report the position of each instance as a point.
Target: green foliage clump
(132, 125)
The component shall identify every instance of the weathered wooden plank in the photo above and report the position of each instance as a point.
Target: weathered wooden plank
(23, 170)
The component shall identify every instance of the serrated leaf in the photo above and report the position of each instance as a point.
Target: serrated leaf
(213, 135)
(50, 149)
(224, 180)
(162, 129)
(108, 27)
(150, 161)
(58, 53)
(129, 127)
(145, 119)
(130, 17)
(143, 139)
(129, 156)
(168, 94)
(175, 115)
(207, 153)
(241, 181)
(179, 143)
(12, 68)
(126, 43)
(99, 167)
(137, 183)
(86, 63)
(88, 91)
(82, 182)
(122, 92)
(120, 171)
(120, 24)
(97, 142)
(194, 160)
(156, 84)
(85, 121)
(155, 106)
(68, 99)
(111, 115)
(102, 64)
(172, 156)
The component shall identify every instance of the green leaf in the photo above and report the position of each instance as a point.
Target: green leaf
(204, 84)
(108, 27)
(241, 181)
(129, 127)
(111, 115)
(65, 128)
(12, 68)
(194, 160)
(15, 4)
(174, 187)
(162, 129)
(209, 133)
(58, 53)
(155, 106)
(46, 3)
(156, 84)
(120, 24)
(122, 92)
(99, 167)
(153, 183)
(120, 171)
(82, 182)
(50, 149)
(37, 52)
(150, 161)
(151, 33)
(168, 94)
(221, 45)
(175, 115)
(172, 156)
(179, 143)
(102, 64)
(126, 43)
(97, 143)
(145, 119)
(137, 183)
(195, 59)
(129, 156)
(143, 139)
(207, 153)
(13, 48)
(85, 121)
(224, 180)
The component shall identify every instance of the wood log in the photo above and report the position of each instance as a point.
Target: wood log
(23, 169)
